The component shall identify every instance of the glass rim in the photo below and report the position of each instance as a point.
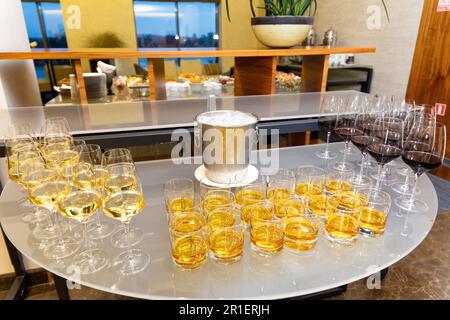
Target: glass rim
(309, 166)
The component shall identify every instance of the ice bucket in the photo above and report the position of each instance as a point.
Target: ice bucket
(226, 138)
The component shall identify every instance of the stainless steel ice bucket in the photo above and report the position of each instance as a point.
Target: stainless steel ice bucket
(226, 138)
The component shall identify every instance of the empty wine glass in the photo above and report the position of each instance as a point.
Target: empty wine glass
(327, 121)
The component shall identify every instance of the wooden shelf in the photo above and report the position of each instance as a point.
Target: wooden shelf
(254, 70)
(173, 53)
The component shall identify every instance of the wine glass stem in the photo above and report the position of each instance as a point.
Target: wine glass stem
(98, 222)
(344, 158)
(363, 161)
(128, 240)
(413, 191)
(59, 228)
(328, 143)
(380, 170)
(406, 183)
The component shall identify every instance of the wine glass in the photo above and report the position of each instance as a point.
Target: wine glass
(88, 172)
(48, 194)
(80, 204)
(386, 143)
(61, 155)
(357, 104)
(346, 129)
(327, 122)
(123, 204)
(31, 170)
(117, 156)
(361, 140)
(414, 115)
(424, 150)
(122, 177)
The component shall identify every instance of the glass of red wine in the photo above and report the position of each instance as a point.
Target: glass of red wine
(346, 128)
(327, 121)
(358, 104)
(416, 113)
(361, 141)
(386, 143)
(424, 151)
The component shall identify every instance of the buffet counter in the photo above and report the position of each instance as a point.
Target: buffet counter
(136, 123)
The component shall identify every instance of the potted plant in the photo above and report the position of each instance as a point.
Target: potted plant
(286, 22)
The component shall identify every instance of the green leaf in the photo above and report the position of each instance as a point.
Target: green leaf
(386, 10)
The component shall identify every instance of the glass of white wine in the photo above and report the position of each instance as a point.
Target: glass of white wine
(123, 204)
(122, 177)
(31, 171)
(89, 173)
(48, 194)
(80, 204)
(62, 155)
(117, 156)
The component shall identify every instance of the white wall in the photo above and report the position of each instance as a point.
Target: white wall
(395, 41)
(18, 85)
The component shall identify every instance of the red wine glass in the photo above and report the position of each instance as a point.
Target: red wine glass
(424, 151)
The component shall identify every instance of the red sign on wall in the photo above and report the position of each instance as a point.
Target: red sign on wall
(443, 5)
(440, 109)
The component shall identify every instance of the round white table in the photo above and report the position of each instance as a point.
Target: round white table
(253, 277)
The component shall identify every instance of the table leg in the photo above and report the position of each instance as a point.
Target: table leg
(383, 273)
(61, 287)
(18, 290)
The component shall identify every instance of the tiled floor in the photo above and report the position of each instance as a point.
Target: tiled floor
(424, 274)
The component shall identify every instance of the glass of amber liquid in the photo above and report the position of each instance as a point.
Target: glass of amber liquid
(318, 204)
(216, 198)
(248, 196)
(342, 222)
(222, 216)
(301, 232)
(188, 240)
(266, 229)
(372, 221)
(289, 207)
(179, 196)
(280, 190)
(310, 180)
(336, 183)
(226, 239)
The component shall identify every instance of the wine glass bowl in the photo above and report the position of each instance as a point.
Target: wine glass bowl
(424, 150)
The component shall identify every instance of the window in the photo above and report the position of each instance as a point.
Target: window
(45, 27)
(32, 23)
(198, 24)
(156, 25)
(49, 34)
(176, 24)
(53, 24)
